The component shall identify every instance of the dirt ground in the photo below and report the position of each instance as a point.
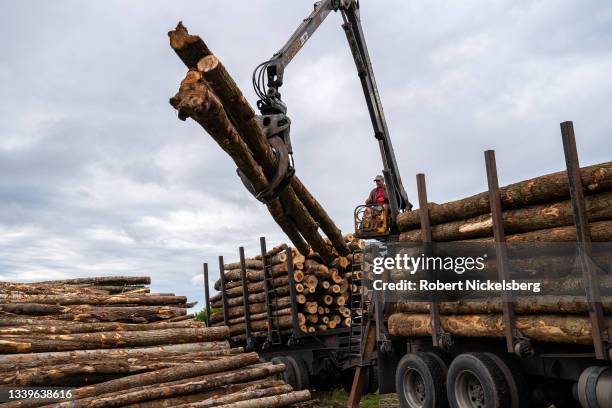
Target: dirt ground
(337, 399)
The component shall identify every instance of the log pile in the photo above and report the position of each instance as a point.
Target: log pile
(125, 348)
(209, 96)
(323, 293)
(536, 210)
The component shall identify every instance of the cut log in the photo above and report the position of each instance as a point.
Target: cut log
(83, 313)
(83, 341)
(272, 402)
(32, 326)
(157, 391)
(545, 328)
(537, 217)
(296, 199)
(283, 322)
(546, 304)
(101, 280)
(281, 303)
(551, 187)
(81, 299)
(249, 393)
(64, 357)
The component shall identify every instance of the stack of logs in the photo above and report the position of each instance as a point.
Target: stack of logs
(535, 210)
(125, 347)
(323, 293)
(210, 97)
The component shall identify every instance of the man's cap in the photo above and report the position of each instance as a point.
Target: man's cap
(379, 177)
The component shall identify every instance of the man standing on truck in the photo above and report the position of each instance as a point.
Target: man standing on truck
(378, 196)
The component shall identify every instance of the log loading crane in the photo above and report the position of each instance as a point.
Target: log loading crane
(370, 221)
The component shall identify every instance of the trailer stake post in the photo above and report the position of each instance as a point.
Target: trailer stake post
(223, 294)
(515, 341)
(583, 234)
(206, 294)
(245, 301)
(438, 337)
(293, 295)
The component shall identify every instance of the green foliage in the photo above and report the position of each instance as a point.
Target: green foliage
(201, 315)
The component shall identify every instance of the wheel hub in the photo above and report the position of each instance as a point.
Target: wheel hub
(469, 391)
(415, 391)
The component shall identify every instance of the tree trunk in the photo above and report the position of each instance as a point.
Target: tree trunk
(272, 402)
(296, 199)
(82, 299)
(537, 217)
(102, 280)
(60, 357)
(545, 304)
(253, 308)
(83, 313)
(165, 390)
(32, 326)
(284, 322)
(82, 341)
(548, 328)
(551, 187)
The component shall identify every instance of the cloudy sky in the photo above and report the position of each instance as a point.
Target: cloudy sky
(98, 176)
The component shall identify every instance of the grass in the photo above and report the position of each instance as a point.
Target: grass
(338, 398)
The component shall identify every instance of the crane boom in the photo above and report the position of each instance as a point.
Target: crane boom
(268, 78)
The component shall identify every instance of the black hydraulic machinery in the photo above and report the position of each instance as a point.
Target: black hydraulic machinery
(268, 77)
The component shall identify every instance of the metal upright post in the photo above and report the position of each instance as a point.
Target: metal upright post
(293, 295)
(515, 342)
(584, 240)
(245, 300)
(434, 310)
(267, 290)
(223, 294)
(206, 294)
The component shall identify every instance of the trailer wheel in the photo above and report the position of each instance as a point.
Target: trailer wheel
(517, 384)
(475, 381)
(595, 387)
(373, 379)
(289, 375)
(302, 377)
(419, 382)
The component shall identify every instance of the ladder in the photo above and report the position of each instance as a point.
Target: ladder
(359, 310)
(274, 332)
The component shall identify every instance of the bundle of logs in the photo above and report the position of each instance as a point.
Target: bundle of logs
(209, 96)
(127, 347)
(323, 293)
(538, 210)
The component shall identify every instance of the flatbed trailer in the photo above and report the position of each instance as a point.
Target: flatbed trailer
(464, 372)
(318, 360)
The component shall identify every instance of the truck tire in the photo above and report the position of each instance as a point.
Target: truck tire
(475, 381)
(302, 377)
(289, 375)
(420, 382)
(517, 384)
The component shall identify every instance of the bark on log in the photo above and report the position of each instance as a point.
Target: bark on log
(546, 304)
(157, 391)
(203, 396)
(545, 328)
(197, 101)
(31, 326)
(272, 402)
(77, 355)
(249, 393)
(101, 280)
(551, 187)
(598, 208)
(284, 322)
(83, 341)
(236, 311)
(307, 213)
(83, 313)
(97, 300)
(189, 48)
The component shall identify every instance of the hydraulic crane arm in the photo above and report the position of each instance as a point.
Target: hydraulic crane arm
(268, 78)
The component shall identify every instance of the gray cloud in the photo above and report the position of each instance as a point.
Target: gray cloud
(97, 175)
